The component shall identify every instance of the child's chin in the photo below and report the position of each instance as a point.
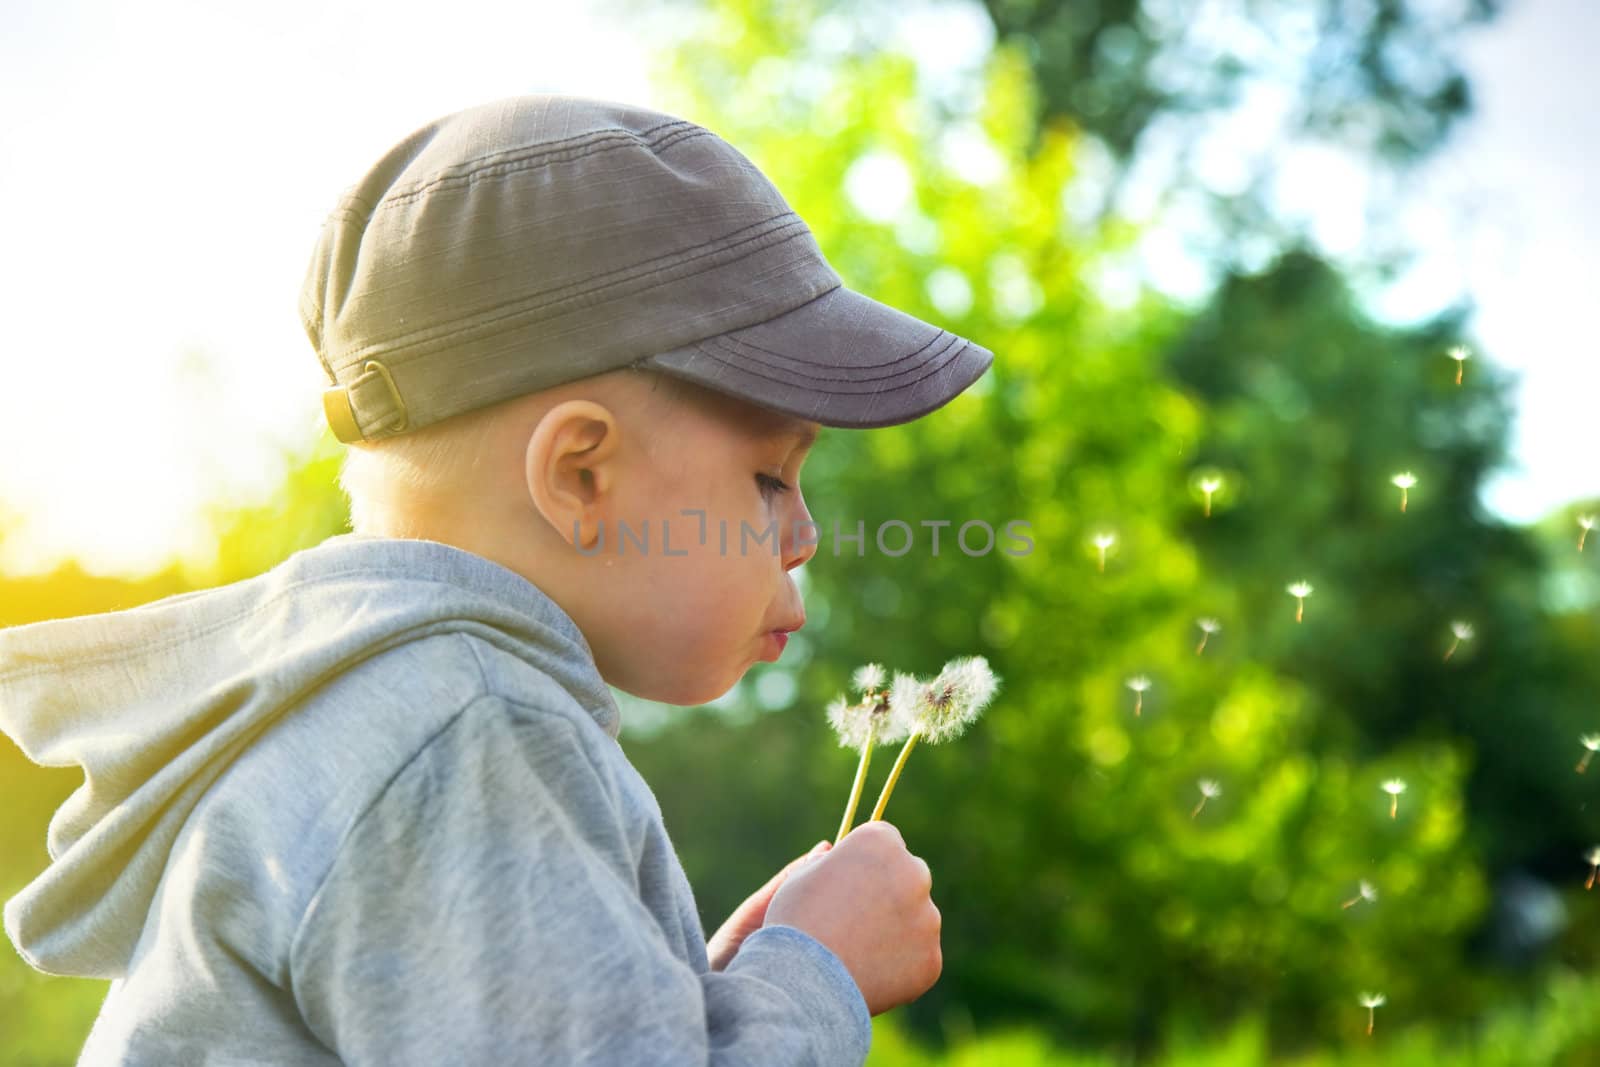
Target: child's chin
(690, 693)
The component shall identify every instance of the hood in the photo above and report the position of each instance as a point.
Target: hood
(155, 702)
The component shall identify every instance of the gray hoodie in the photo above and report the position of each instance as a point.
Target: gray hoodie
(369, 807)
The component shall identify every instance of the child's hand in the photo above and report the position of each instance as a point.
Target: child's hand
(868, 901)
(750, 916)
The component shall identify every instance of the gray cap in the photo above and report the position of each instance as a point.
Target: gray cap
(537, 240)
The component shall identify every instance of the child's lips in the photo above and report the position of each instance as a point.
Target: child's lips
(780, 636)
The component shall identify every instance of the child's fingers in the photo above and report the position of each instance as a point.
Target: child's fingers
(789, 868)
(816, 850)
(761, 896)
(749, 916)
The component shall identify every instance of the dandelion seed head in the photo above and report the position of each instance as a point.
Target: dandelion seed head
(1460, 353)
(1404, 480)
(1138, 683)
(1587, 521)
(870, 717)
(1590, 742)
(1592, 857)
(1373, 1000)
(1210, 484)
(1462, 630)
(889, 726)
(906, 694)
(944, 707)
(1394, 786)
(1369, 892)
(970, 680)
(1104, 540)
(1208, 625)
(853, 723)
(1209, 787)
(1300, 589)
(849, 722)
(867, 678)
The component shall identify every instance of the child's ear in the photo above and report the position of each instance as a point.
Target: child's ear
(570, 468)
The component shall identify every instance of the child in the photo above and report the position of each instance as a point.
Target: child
(369, 807)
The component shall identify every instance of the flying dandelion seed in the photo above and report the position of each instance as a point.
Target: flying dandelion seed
(1372, 1002)
(1208, 626)
(1405, 481)
(1460, 354)
(938, 710)
(1209, 788)
(1461, 631)
(1300, 590)
(1103, 542)
(1394, 787)
(1585, 524)
(1592, 857)
(1591, 745)
(1365, 891)
(1208, 486)
(1139, 684)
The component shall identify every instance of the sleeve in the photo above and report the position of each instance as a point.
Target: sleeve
(486, 909)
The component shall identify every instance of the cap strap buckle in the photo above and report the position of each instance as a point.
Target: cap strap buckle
(338, 406)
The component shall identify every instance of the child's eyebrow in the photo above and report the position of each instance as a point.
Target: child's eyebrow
(803, 435)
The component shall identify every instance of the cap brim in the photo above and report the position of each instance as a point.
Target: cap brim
(842, 360)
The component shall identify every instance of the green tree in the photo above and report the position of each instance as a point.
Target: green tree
(1382, 78)
(1313, 408)
(1087, 898)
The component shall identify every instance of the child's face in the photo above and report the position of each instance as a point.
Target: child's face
(683, 627)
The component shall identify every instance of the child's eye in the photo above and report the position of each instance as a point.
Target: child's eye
(770, 485)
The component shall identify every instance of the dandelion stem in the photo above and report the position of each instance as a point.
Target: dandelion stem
(1201, 647)
(894, 775)
(1208, 505)
(1583, 764)
(1402, 501)
(1590, 883)
(1138, 704)
(1459, 368)
(1195, 814)
(861, 780)
(1583, 535)
(1300, 610)
(1452, 649)
(1394, 805)
(1372, 1012)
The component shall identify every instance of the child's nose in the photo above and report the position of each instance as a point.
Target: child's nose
(801, 536)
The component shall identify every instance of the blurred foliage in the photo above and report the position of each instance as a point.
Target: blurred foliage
(1201, 104)
(1379, 76)
(1561, 1030)
(1314, 409)
(1085, 906)
(1079, 894)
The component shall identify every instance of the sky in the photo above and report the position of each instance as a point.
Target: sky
(174, 161)
(1503, 215)
(1525, 171)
